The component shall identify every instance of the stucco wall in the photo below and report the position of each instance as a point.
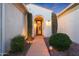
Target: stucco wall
(69, 23)
(45, 13)
(14, 20)
(0, 26)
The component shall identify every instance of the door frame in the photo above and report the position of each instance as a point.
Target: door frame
(38, 18)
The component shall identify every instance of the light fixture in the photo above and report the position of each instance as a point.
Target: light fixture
(48, 23)
(50, 48)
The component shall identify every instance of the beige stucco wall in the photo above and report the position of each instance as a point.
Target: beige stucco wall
(46, 14)
(14, 23)
(69, 23)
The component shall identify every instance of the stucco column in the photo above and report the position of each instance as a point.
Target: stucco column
(25, 29)
(29, 23)
(3, 29)
(54, 23)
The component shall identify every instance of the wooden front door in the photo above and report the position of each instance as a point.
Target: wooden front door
(38, 27)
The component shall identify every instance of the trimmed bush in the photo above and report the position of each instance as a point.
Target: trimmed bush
(17, 44)
(60, 41)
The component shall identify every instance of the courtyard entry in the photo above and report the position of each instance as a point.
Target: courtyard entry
(39, 22)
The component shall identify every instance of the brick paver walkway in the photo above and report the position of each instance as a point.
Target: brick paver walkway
(38, 47)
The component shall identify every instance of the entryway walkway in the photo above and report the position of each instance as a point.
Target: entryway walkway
(38, 47)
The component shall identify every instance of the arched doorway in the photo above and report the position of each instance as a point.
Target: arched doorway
(39, 22)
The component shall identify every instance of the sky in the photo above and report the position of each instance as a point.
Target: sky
(55, 7)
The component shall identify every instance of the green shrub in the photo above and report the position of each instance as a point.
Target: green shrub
(17, 44)
(60, 41)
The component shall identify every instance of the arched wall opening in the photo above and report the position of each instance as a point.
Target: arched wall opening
(38, 25)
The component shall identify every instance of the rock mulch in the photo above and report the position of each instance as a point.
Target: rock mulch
(27, 46)
(72, 51)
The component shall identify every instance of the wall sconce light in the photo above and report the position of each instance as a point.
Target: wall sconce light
(48, 23)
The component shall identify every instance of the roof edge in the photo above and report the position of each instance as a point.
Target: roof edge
(67, 8)
(21, 7)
